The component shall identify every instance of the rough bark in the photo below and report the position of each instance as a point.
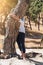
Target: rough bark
(20, 9)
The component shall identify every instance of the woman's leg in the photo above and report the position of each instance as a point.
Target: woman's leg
(20, 41)
(23, 45)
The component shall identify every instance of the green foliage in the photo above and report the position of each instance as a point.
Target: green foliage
(34, 9)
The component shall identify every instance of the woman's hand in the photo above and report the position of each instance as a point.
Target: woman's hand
(15, 17)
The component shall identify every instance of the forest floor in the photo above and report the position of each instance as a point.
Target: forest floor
(34, 48)
(34, 57)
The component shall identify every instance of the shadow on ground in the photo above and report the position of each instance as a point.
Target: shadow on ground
(34, 35)
(33, 55)
(36, 63)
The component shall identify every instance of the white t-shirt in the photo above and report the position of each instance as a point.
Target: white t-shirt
(22, 28)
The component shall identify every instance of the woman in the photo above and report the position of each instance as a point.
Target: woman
(21, 36)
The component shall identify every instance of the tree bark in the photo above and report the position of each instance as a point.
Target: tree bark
(20, 9)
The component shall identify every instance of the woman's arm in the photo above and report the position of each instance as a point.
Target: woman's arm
(15, 17)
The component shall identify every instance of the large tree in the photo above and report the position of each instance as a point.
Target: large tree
(20, 10)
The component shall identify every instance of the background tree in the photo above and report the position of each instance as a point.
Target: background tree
(34, 9)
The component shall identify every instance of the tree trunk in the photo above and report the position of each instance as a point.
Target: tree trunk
(39, 22)
(20, 9)
(29, 22)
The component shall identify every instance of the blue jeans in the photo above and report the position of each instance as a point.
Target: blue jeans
(20, 41)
